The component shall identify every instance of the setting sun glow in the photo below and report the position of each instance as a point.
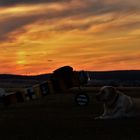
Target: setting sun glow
(38, 37)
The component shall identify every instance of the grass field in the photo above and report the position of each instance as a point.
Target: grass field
(58, 117)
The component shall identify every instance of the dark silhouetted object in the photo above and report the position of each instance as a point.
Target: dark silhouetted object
(10, 99)
(62, 78)
(19, 97)
(83, 77)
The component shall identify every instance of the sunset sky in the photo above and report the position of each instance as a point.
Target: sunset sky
(38, 36)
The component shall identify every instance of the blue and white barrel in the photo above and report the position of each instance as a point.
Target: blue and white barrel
(30, 94)
(44, 87)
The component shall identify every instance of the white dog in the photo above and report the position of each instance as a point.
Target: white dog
(116, 104)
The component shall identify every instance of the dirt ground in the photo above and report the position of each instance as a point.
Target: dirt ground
(58, 117)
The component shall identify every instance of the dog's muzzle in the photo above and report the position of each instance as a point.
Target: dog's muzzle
(99, 97)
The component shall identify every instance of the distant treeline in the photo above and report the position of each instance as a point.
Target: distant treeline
(99, 75)
(125, 75)
(24, 77)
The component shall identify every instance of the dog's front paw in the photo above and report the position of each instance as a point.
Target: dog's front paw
(97, 118)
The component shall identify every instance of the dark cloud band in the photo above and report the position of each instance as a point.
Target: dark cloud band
(93, 8)
(15, 2)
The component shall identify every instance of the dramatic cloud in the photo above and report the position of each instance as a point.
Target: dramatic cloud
(86, 34)
(73, 9)
(13, 24)
(17, 2)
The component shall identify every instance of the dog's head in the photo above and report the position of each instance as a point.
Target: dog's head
(107, 94)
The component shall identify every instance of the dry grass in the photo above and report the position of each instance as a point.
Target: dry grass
(58, 117)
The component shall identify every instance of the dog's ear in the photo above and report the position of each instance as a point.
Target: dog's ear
(112, 89)
(100, 95)
(112, 92)
(103, 94)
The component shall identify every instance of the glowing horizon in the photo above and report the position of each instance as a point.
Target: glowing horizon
(39, 37)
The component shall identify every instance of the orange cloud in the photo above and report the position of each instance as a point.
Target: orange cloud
(89, 35)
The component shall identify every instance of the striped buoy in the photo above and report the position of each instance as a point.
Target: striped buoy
(82, 99)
